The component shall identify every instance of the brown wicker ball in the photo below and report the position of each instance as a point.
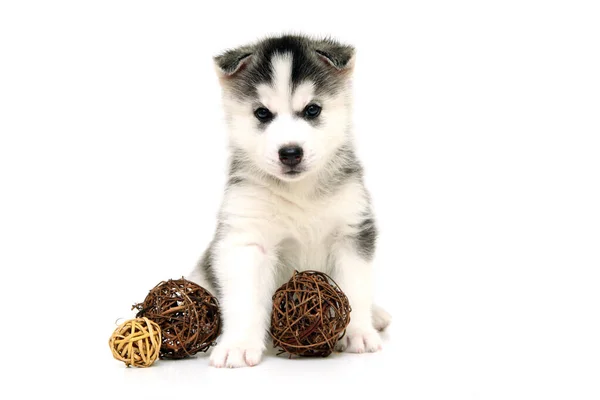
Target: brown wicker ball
(187, 314)
(310, 314)
(136, 342)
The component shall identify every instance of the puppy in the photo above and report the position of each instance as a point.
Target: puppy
(295, 197)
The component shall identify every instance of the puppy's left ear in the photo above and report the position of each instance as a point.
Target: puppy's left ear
(233, 61)
(338, 55)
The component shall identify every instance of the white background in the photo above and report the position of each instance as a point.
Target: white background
(479, 127)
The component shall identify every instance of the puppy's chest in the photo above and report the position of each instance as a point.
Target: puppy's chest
(314, 222)
(280, 217)
(308, 234)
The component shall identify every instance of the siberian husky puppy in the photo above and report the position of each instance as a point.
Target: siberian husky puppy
(295, 198)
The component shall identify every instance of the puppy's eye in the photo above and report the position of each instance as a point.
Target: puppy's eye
(312, 111)
(263, 114)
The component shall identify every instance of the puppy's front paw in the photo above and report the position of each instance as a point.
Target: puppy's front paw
(360, 341)
(236, 355)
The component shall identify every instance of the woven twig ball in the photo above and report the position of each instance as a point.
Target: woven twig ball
(187, 314)
(136, 342)
(310, 314)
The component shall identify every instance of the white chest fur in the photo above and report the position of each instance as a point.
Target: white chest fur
(302, 228)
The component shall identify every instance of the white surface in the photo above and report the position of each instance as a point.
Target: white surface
(479, 127)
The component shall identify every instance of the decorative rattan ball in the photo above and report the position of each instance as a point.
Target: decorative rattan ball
(310, 314)
(187, 314)
(136, 342)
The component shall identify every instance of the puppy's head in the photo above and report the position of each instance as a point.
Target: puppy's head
(287, 102)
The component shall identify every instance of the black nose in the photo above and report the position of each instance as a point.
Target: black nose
(291, 155)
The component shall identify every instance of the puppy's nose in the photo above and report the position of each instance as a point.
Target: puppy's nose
(291, 155)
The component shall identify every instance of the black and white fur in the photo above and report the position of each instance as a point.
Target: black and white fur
(276, 217)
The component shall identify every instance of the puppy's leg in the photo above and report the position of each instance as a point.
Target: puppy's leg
(353, 274)
(244, 267)
(202, 272)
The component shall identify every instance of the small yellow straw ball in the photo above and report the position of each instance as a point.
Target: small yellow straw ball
(136, 342)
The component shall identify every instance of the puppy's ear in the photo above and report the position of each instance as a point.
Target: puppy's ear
(232, 61)
(340, 56)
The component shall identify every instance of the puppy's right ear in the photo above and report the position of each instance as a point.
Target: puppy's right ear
(233, 61)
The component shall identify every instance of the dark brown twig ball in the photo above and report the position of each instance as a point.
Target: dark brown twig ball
(310, 314)
(187, 314)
